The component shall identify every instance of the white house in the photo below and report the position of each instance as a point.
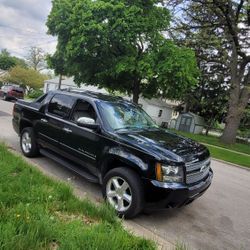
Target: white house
(52, 84)
(3, 73)
(161, 111)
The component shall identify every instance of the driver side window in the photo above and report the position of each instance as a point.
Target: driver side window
(83, 109)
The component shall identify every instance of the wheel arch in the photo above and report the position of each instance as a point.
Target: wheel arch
(117, 157)
(24, 124)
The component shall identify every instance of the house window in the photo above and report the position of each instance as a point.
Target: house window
(160, 113)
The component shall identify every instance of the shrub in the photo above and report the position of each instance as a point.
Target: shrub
(35, 94)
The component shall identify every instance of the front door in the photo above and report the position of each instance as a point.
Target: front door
(82, 145)
(185, 123)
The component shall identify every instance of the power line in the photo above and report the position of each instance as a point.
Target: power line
(16, 50)
(18, 29)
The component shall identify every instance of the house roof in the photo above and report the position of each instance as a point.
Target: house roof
(3, 72)
(70, 83)
(161, 103)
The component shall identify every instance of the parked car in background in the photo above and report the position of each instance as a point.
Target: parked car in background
(11, 92)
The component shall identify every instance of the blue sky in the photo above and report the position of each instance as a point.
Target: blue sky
(22, 25)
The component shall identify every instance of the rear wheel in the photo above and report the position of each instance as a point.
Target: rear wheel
(5, 97)
(28, 142)
(123, 190)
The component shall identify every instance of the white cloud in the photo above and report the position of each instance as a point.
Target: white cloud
(22, 25)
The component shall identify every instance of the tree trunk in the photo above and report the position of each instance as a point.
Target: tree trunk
(207, 130)
(238, 100)
(60, 81)
(230, 131)
(136, 91)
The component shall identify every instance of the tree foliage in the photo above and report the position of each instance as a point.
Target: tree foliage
(120, 45)
(224, 25)
(7, 61)
(25, 77)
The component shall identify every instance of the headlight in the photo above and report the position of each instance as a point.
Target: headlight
(169, 173)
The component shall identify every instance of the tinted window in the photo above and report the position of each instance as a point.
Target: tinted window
(18, 90)
(61, 105)
(41, 98)
(123, 115)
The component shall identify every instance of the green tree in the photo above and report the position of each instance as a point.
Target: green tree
(209, 98)
(226, 23)
(20, 62)
(57, 62)
(30, 79)
(120, 45)
(7, 61)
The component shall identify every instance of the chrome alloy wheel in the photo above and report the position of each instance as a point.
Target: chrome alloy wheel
(26, 142)
(119, 194)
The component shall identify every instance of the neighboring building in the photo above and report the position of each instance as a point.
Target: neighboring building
(161, 111)
(52, 84)
(3, 73)
(188, 122)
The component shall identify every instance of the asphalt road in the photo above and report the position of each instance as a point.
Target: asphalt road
(220, 219)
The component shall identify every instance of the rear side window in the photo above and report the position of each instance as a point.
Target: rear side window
(41, 98)
(61, 105)
(18, 90)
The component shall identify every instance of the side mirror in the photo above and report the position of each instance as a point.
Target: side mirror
(87, 122)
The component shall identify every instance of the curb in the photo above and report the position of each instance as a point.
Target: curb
(141, 231)
(229, 150)
(232, 164)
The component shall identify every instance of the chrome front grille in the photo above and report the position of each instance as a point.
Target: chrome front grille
(197, 171)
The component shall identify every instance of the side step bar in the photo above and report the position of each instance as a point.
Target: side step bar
(70, 166)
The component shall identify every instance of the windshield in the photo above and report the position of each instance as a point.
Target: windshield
(124, 115)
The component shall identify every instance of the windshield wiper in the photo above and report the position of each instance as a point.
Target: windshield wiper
(126, 128)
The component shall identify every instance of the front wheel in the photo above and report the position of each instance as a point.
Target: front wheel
(123, 190)
(28, 142)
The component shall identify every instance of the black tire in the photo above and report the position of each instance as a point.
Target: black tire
(5, 97)
(136, 189)
(33, 150)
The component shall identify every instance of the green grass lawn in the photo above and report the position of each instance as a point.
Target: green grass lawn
(37, 212)
(221, 153)
(240, 147)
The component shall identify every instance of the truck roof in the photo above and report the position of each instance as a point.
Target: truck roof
(90, 94)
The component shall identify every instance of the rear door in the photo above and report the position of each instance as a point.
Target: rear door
(49, 127)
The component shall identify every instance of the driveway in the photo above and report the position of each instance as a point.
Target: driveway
(220, 219)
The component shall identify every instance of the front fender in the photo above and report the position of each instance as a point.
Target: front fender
(118, 154)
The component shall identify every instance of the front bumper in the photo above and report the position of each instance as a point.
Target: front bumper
(163, 195)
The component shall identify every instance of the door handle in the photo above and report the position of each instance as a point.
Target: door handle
(44, 120)
(67, 130)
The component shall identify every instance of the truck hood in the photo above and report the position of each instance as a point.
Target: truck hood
(165, 145)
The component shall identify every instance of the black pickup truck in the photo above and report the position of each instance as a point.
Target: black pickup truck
(111, 141)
